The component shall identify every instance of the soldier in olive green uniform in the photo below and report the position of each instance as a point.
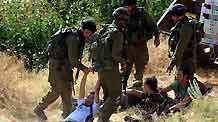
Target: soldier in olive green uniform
(112, 56)
(185, 51)
(141, 27)
(61, 61)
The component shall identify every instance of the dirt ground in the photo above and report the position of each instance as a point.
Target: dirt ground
(20, 91)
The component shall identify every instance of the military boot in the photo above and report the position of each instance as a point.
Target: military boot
(40, 113)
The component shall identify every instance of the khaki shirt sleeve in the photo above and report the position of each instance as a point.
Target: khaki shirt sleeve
(117, 38)
(185, 35)
(151, 24)
(73, 46)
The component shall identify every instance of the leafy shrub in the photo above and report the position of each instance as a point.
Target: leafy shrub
(25, 30)
(26, 26)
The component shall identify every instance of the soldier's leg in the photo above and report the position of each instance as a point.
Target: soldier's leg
(103, 86)
(190, 64)
(51, 96)
(105, 92)
(113, 84)
(125, 73)
(66, 96)
(127, 68)
(109, 107)
(142, 58)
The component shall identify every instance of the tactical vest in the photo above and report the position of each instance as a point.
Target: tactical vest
(138, 30)
(99, 44)
(195, 40)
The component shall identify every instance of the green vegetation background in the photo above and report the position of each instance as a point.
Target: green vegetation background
(26, 25)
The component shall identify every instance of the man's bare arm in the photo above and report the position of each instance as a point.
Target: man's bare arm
(83, 86)
(97, 90)
(134, 92)
(167, 89)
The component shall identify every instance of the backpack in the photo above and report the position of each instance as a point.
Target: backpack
(173, 40)
(97, 47)
(102, 43)
(57, 48)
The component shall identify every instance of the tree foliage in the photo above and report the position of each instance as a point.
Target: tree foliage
(26, 25)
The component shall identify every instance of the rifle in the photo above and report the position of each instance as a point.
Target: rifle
(78, 70)
(124, 72)
(76, 76)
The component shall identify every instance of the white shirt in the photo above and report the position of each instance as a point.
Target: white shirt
(81, 112)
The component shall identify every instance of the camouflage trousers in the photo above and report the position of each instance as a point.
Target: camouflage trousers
(60, 79)
(112, 89)
(138, 56)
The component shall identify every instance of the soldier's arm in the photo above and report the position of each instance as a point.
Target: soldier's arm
(165, 90)
(73, 52)
(117, 38)
(185, 37)
(83, 86)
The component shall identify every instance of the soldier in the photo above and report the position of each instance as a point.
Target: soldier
(109, 74)
(141, 27)
(183, 33)
(64, 55)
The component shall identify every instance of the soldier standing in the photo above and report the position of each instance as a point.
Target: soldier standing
(183, 33)
(65, 53)
(141, 27)
(109, 75)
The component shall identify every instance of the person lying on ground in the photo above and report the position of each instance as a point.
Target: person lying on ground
(87, 106)
(185, 88)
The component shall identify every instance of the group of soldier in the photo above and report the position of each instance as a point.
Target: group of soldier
(125, 44)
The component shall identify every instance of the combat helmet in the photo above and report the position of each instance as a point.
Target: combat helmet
(89, 24)
(178, 10)
(120, 13)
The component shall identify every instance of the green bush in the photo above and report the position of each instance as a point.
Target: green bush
(25, 30)
(26, 26)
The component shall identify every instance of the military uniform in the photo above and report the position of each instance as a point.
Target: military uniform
(140, 29)
(109, 74)
(185, 52)
(61, 75)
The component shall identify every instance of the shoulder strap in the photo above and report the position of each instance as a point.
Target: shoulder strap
(91, 109)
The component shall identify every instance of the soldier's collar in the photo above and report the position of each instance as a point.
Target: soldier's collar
(114, 25)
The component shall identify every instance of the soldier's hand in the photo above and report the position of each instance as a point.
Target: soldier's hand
(156, 42)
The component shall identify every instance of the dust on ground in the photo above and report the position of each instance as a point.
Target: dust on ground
(20, 91)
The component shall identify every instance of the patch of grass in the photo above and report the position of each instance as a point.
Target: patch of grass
(201, 110)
